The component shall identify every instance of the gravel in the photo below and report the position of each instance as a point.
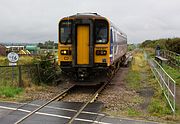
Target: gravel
(116, 97)
(43, 92)
(80, 94)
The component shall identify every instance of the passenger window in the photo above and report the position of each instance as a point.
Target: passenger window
(65, 32)
(101, 32)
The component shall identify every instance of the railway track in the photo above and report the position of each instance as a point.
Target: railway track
(58, 97)
(62, 94)
(93, 97)
(89, 101)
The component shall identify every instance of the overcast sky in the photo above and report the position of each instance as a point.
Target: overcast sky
(37, 20)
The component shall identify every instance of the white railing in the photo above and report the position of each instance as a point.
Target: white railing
(167, 84)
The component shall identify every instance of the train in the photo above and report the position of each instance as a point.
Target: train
(89, 45)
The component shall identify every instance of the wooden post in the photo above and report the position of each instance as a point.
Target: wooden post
(39, 76)
(20, 77)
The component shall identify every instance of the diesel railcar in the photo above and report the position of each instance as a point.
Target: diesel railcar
(89, 44)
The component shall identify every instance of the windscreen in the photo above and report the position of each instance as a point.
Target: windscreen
(65, 32)
(101, 32)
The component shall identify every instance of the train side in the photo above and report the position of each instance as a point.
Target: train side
(118, 44)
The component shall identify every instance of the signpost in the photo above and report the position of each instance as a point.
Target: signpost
(13, 58)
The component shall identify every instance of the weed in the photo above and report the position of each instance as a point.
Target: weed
(174, 73)
(133, 112)
(6, 91)
(157, 107)
(134, 76)
(140, 77)
(133, 79)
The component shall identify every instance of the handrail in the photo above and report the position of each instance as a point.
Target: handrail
(164, 71)
(168, 85)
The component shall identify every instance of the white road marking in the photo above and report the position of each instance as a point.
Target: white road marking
(58, 108)
(72, 110)
(3, 107)
(53, 115)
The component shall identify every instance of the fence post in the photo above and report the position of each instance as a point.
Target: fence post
(20, 77)
(12, 74)
(39, 76)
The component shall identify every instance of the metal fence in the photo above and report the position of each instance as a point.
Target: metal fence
(173, 58)
(19, 75)
(167, 84)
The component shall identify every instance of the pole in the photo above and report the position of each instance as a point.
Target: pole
(20, 76)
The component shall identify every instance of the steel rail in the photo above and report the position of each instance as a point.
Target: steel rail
(93, 97)
(90, 101)
(45, 104)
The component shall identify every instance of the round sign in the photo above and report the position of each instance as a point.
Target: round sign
(13, 57)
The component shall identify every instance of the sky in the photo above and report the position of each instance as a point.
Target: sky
(32, 21)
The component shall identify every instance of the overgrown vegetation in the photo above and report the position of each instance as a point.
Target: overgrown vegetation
(31, 74)
(133, 79)
(7, 91)
(133, 112)
(131, 47)
(172, 44)
(141, 79)
(10, 75)
(23, 60)
(159, 108)
(158, 105)
(134, 76)
(174, 73)
(48, 45)
(49, 70)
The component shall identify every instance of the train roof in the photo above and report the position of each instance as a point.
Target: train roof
(117, 28)
(92, 16)
(85, 16)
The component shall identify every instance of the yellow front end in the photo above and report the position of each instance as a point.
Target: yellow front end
(102, 58)
(64, 57)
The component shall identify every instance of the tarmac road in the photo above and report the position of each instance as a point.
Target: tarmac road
(59, 113)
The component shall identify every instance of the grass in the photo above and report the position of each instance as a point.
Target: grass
(139, 77)
(174, 73)
(134, 76)
(7, 78)
(22, 60)
(133, 112)
(7, 91)
(133, 79)
(158, 108)
(9, 81)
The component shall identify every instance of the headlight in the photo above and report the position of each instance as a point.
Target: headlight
(101, 52)
(65, 52)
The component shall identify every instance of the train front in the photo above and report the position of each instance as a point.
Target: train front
(83, 45)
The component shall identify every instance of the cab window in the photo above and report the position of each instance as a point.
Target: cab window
(101, 32)
(65, 32)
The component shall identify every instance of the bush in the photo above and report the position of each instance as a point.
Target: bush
(49, 69)
(169, 44)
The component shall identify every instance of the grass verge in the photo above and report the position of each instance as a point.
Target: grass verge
(174, 73)
(7, 91)
(141, 79)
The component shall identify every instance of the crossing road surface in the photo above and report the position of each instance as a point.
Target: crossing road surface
(59, 113)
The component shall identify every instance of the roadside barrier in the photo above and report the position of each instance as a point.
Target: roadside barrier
(173, 58)
(25, 75)
(168, 85)
(18, 75)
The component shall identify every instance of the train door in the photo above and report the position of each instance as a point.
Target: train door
(83, 41)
